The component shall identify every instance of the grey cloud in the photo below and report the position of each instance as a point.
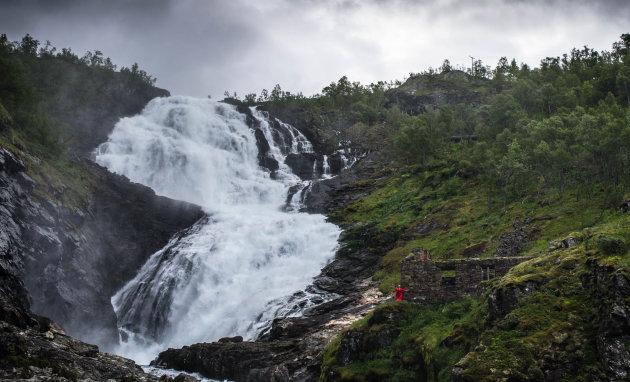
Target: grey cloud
(201, 47)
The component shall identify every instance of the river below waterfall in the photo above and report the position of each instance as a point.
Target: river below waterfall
(239, 267)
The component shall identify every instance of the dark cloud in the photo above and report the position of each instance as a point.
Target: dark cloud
(201, 47)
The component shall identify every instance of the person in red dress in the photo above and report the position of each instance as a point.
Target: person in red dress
(399, 293)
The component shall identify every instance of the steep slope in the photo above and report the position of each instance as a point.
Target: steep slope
(562, 315)
(72, 231)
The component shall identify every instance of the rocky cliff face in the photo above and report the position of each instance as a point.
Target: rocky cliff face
(73, 248)
(71, 234)
(420, 94)
(322, 130)
(33, 347)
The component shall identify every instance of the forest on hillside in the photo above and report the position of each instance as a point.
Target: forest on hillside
(562, 125)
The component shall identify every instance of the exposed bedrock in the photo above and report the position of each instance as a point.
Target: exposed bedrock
(74, 255)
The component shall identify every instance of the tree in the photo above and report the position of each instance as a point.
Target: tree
(276, 93)
(264, 96)
(250, 98)
(623, 82)
(29, 45)
(446, 67)
(544, 163)
(417, 140)
(503, 114)
(511, 170)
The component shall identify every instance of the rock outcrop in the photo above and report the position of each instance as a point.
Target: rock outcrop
(34, 348)
(322, 130)
(613, 331)
(289, 351)
(74, 254)
(423, 93)
(89, 120)
(328, 195)
(237, 361)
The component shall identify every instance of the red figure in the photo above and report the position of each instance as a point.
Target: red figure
(399, 293)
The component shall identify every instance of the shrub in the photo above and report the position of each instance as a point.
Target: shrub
(611, 245)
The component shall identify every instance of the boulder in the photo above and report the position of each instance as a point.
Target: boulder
(234, 361)
(264, 158)
(305, 165)
(350, 347)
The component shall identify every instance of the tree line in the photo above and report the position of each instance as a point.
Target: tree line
(564, 125)
(40, 88)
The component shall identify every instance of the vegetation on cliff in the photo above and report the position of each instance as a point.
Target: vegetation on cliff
(55, 105)
(544, 156)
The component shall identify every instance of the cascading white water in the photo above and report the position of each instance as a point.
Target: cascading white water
(325, 167)
(233, 271)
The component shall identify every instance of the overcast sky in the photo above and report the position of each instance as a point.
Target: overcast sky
(204, 47)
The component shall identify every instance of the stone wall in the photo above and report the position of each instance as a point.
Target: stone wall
(427, 280)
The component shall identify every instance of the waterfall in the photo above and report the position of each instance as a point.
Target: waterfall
(239, 267)
(325, 167)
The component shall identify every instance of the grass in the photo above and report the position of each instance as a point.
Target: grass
(554, 324)
(423, 341)
(552, 328)
(61, 180)
(56, 176)
(400, 205)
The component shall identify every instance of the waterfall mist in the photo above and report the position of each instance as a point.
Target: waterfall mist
(235, 270)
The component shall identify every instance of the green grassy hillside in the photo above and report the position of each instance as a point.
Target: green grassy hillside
(545, 158)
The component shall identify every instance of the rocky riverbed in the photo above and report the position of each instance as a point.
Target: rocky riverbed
(291, 350)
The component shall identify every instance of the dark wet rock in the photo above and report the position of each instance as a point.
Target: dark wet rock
(511, 243)
(35, 348)
(347, 269)
(336, 164)
(235, 339)
(328, 195)
(423, 93)
(613, 333)
(332, 306)
(242, 361)
(327, 284)
(27, 353)
(264, 158)
(502, 301)
(305, 165)
(292, 327)
(350, 347)
(269, 374)
(73, 258)
(14, 302)
(181, 378)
